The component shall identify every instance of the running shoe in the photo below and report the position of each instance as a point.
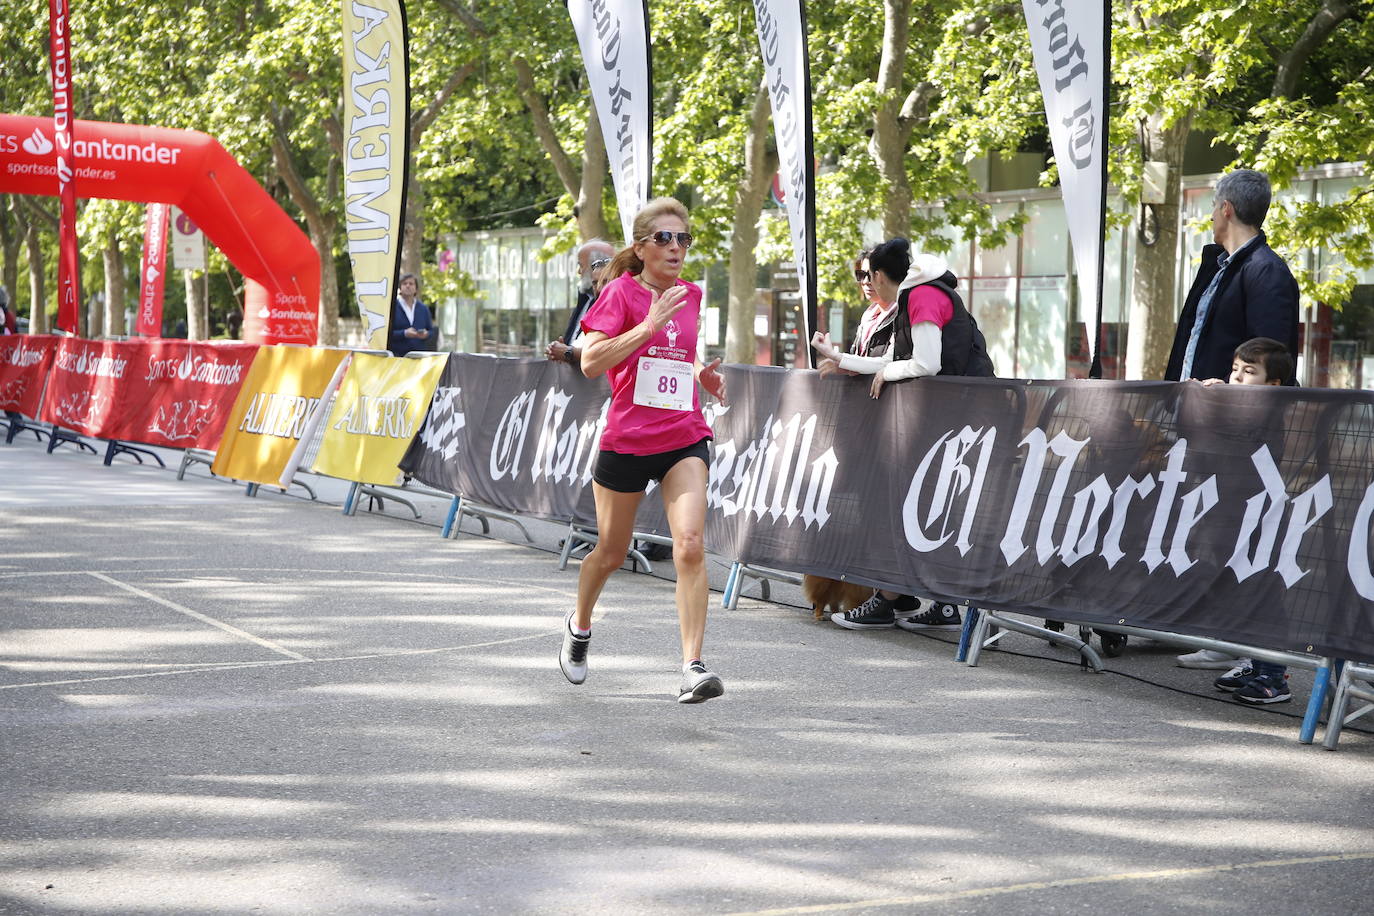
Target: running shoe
(572, 658)
(1265, 688)
(1237, 677)
(698, 684)
(1208, 658)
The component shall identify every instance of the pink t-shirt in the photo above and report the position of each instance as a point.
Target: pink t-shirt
(631, 428)
(927, 303)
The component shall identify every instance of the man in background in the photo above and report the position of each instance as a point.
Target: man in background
(1242, 290)
(592, 256)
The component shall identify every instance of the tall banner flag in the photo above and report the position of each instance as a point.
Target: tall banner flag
(153, 272)
(376, 67)
(68, 267)
(782, 41)
(1071, 40)
(614, 38)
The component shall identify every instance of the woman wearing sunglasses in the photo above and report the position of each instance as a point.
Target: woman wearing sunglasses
(642, 333)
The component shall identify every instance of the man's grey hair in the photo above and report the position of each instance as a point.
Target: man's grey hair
(1248, 193)
(590, 242)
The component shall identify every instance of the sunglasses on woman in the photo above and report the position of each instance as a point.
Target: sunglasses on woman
(663, 238)
(863, 276)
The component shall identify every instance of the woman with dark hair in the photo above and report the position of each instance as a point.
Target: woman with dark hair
(411, 324)
(642, 333)
(929, 333)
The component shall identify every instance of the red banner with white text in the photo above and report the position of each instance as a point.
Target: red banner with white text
(158, 392)
(24, 362)
(152, 272)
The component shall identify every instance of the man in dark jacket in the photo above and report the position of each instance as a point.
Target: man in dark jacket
(1242, 290)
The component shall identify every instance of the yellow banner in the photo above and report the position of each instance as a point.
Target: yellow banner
(283, 387)
(376, 153)
(381, 403)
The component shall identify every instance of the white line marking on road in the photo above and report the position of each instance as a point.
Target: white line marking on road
(234, 666)
(228, 628)
(1047, 885)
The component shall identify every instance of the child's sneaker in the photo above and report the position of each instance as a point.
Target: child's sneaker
(572, 657)
(875, 613)
(1237, 677)
(1265, 688)
(698, 684)
(939, 617)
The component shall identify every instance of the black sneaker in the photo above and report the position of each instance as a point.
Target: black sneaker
(1237, 677)
(1265, 688)
(873, 614)
(939, 617)
(572, 658)
(699, 685)
(906, 604)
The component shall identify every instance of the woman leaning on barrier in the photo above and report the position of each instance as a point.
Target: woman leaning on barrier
(642, 333)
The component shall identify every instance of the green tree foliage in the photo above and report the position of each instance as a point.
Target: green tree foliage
(504, 133)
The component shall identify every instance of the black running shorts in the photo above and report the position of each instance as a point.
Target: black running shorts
(632, 473)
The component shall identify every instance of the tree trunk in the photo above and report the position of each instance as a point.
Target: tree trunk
(322, 236)
(197, 305)
(321, 226)
(890, 133)
(95, 316)
(11, 240)
(1154, 312)
(114, 289)
(413, 236)
(759, 165)
(38, 299)
(591, 215)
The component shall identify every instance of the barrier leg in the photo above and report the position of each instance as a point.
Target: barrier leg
(458, 517)
(971, 618)
(350, 506)
(976, 639)
(453, 507)
(252, 490)
(1320, 685)
(1335, 719)
(734, 584)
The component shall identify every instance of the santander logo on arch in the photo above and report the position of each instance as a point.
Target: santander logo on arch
(36, 144)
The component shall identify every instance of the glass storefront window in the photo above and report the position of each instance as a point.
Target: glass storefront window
(1041, 326)
(992, 302)
(1045, 240)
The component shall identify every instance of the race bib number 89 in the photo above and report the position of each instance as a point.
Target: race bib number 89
(664, 383)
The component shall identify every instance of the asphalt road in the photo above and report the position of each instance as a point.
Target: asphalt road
(217, 704)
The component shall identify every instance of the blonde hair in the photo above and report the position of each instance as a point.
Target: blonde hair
(626, 259)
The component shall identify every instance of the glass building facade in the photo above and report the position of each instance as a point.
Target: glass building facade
(1023, 293)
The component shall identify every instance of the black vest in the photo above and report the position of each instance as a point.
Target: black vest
(962, 348)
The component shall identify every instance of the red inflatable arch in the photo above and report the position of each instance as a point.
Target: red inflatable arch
(192, 171)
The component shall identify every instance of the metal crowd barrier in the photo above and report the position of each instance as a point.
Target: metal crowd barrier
(1347, 688)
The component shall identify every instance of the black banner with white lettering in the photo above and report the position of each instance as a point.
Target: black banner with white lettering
(1240, 512)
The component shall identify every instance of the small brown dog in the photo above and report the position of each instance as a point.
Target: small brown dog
(831, 595)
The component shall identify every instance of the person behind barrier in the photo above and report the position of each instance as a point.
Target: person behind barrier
(1261, 361)
(8, 325)
(412, 326)
(1242, 289)
(9, 322)
(592, 258)
(873, 338)
(931, 333)
(642, 334)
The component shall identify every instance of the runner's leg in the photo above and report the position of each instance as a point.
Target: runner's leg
(684, 499)
(615, 522)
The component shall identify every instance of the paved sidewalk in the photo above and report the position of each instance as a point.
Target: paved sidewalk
(217, 704)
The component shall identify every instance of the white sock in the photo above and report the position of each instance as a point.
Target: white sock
(576, 630)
